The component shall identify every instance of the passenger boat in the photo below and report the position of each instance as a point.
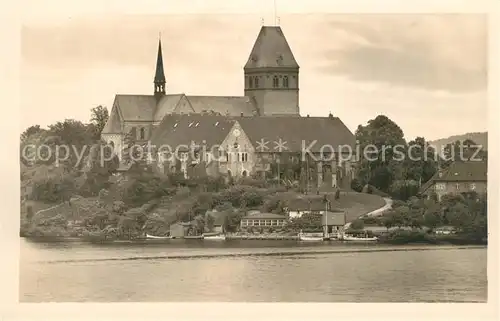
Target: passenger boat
(310, 238)
(216, 237)
(350, 238)
(157, 237)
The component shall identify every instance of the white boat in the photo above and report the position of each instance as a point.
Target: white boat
(303, 237)
(350, 238)
(157, 237)
(219, 237)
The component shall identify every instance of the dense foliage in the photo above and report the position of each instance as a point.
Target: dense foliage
(397, 167)
(466, 214)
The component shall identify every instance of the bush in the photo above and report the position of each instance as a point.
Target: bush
(404, 237)
(356, 185)
(370, 220)
(357, 225)
(248, 181)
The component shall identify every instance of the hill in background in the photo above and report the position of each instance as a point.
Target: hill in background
(478, 138)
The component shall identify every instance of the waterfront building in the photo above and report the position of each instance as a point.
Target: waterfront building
(458, 178)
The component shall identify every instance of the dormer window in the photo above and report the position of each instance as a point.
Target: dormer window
(276, 82)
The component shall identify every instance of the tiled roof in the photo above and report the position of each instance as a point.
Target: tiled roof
(298, 131)
(113, 125)
(271, 50)
(146, 108)
(258, 216)
(224, 105)
(176, 130)
(166, 105)
(136, 107)
(465, 171)
(459, 172)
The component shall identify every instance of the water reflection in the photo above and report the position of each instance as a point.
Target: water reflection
(344, 276)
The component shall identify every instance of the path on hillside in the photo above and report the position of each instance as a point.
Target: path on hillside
(377, 212)
(53, 207)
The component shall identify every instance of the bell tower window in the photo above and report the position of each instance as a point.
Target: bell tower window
(276, 82)
(250, 82)
(285, 81)
(256, 82)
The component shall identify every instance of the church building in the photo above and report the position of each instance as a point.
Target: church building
(268, 111)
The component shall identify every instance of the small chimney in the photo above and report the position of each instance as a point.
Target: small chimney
(307, 115)
(330, 115)
(241, 114)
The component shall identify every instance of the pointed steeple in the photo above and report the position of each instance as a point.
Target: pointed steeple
(159, 80)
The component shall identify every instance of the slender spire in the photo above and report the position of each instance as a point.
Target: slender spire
(159, 80)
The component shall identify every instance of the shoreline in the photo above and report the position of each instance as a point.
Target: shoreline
(435, 242)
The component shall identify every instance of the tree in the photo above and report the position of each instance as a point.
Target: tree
(30, 131)
(128, 146)
(357, 225)
(432, 216)
(209, 222)
(29, 213)
(421, 163)
(380, 168)
(99, 118)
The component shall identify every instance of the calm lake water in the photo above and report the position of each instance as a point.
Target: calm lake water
(255, 271)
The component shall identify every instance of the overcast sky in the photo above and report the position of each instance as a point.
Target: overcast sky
(428, 73)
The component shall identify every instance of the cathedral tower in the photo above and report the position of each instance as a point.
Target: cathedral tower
(272, 74)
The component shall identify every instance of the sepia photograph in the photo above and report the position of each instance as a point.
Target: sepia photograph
(276, 157)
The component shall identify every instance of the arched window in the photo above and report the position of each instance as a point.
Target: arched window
(256, 82)
(250, 82)
(285, 81)
(244, 173)
(276, 82)
(143, 133)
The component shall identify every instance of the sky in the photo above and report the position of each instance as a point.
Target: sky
(426, 72)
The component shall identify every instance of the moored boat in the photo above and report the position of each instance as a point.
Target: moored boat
(217, 237)
(351, 238)
(157, 237)
(310, 238)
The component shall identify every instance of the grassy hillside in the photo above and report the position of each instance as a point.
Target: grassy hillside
(478, 138)
(356, 204)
